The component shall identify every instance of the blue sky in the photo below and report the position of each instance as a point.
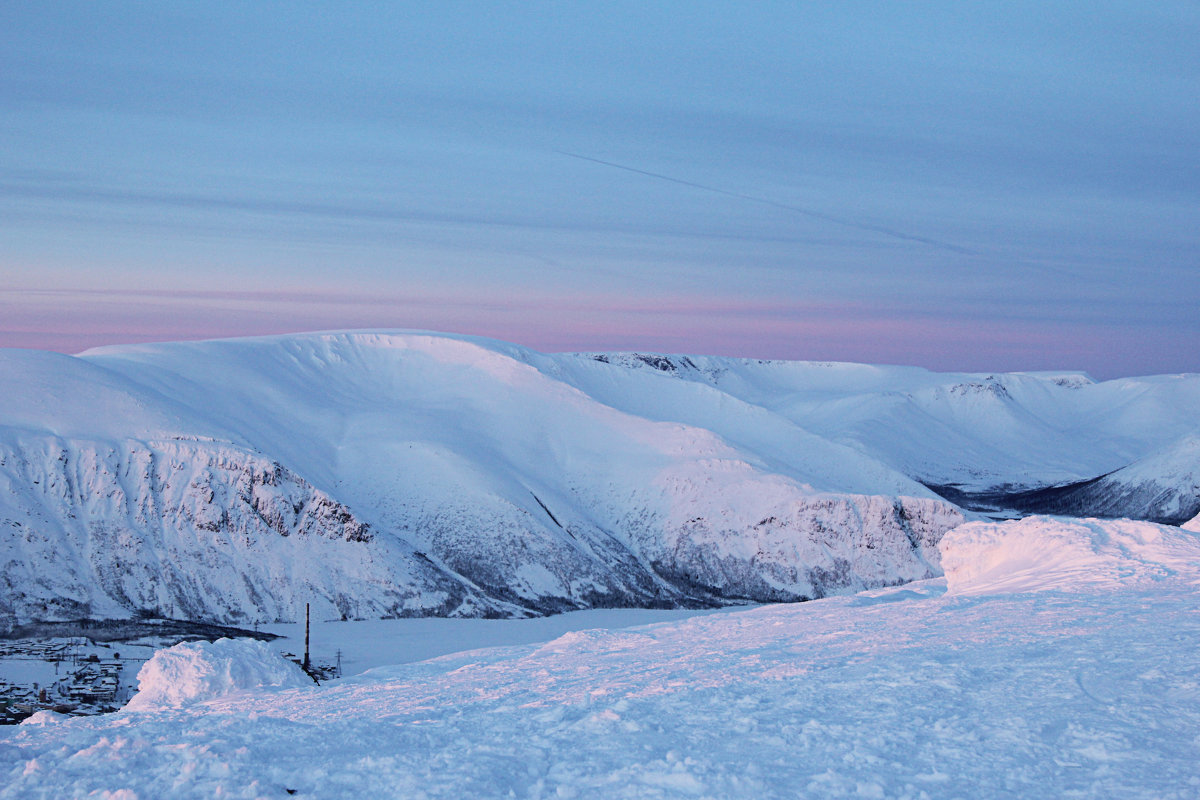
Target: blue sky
(961, 186)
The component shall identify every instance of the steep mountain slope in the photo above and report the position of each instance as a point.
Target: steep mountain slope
(1163, 487)
(399, 473)
(194, 530)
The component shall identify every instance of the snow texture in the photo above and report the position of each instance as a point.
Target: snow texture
(1077, 677)
(1042, 553)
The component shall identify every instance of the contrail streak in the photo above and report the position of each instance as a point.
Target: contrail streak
(808, 212)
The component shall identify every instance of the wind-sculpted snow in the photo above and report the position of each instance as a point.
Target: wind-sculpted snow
(195, 672)
(1089, 690)
(1047, 553)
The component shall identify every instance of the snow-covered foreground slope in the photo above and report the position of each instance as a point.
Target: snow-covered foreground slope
(392, 474)
(1078, 679)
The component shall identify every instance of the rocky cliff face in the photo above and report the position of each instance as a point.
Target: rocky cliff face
(207, 530)
(195, 530)
(791, 547)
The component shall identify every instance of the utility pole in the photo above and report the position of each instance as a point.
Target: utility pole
(305, 665)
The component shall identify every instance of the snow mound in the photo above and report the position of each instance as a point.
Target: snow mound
(1048, 553)
(1193, 525)
(192, 672)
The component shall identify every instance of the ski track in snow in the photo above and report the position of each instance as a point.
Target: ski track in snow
(1069, 688)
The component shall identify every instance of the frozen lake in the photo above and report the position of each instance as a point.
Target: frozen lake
(368, 644)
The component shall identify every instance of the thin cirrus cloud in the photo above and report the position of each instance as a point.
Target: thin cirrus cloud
(992, 187)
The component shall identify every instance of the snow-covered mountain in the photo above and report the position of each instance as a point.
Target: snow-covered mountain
(975, 432)
(1162, 487)
(381, 474)
(399, 473)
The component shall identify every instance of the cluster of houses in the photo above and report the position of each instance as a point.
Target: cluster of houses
(81, 683)
(94, 683)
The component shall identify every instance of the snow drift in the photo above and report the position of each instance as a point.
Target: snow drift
(193, 672)
(1047, 553)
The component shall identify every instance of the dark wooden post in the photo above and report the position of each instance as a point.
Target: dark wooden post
(306, 637)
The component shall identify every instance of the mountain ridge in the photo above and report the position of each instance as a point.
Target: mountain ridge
(482, 478)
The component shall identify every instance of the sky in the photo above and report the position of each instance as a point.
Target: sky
(960, 186)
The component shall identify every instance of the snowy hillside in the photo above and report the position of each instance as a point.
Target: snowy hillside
(381, 474)
(974, 432)
(385, 474)
(1162, 487)
(1062, 670)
